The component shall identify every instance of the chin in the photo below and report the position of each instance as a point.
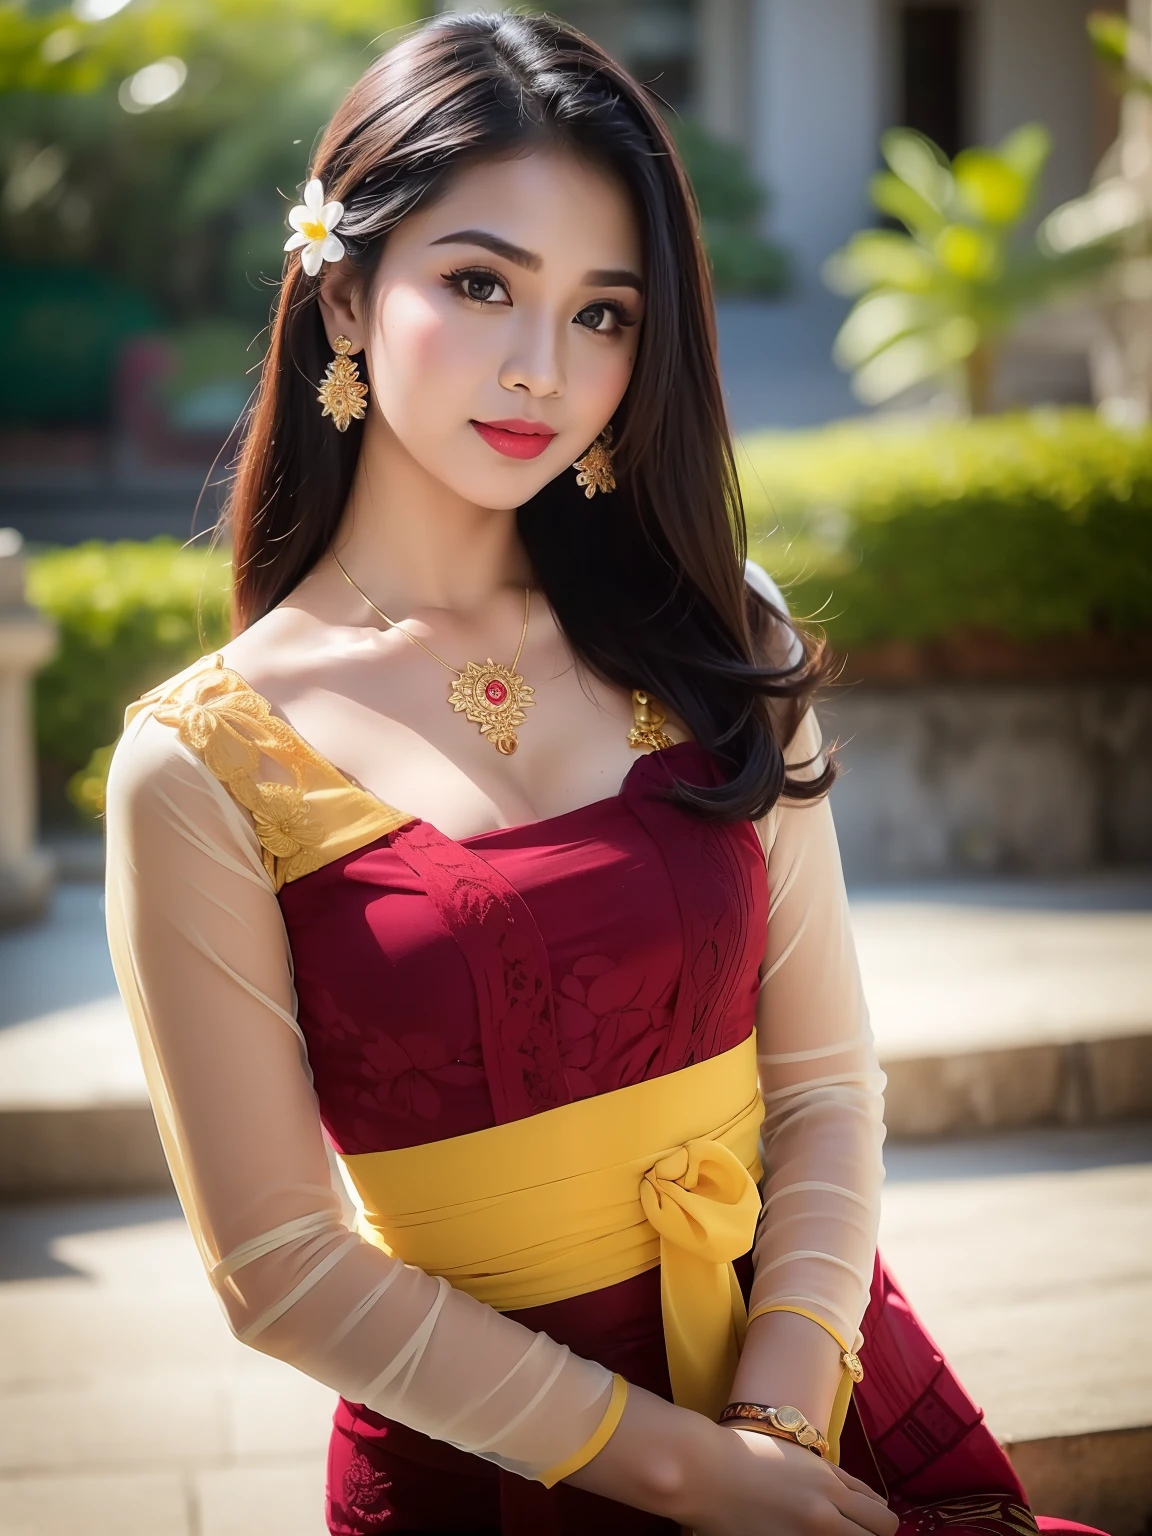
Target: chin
(501, 498)
(502, 489)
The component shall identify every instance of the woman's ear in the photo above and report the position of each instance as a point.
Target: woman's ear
(341, 304)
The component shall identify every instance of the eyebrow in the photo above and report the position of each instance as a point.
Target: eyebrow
(614, 277)
(514, 253)
(604, 277)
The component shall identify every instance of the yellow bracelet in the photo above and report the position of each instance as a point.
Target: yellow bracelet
(849, 1359)
(597, 1441)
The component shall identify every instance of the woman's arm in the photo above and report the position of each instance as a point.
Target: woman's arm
(202, 960)
(823, 1128)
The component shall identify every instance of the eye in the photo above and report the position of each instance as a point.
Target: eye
(604, 317)
(478, 285)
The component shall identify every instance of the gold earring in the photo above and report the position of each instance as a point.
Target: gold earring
(647, 720)
(341, 394)
(596, 466)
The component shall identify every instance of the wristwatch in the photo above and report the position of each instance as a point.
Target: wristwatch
(785, 1423)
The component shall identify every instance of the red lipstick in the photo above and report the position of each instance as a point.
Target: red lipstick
(515, 439)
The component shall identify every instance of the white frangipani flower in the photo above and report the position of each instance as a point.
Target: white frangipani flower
(314, 220)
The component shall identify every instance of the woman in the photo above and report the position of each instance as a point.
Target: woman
(512, 957)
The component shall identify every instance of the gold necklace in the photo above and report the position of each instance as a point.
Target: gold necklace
(491, 695)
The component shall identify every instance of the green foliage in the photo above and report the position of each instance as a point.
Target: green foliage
(1108, 33)
(1029, 526)
(65, 327)
(745, 263)
(731, 204)
(1122, 50)
(129, 615)
(183, 200)
(932, 301)
(1111, 224)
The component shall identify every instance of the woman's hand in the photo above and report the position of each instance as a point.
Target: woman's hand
(761, 1482)
(720, 1481)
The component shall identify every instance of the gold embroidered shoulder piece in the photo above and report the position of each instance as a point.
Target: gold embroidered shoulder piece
(302, 825)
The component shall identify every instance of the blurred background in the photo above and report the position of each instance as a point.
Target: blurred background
(930, 226)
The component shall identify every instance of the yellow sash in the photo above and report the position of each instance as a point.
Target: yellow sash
(590, 1194)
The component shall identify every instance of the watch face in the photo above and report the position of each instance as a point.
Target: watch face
(789, 1418)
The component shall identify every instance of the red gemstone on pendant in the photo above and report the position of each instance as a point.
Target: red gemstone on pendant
(495, 691)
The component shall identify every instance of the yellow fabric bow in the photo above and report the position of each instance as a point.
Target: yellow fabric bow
(704, 1204)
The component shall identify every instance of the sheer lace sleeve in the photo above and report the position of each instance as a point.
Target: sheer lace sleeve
(822, 1086)
(202, 960)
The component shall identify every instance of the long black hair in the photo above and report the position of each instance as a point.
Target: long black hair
(647, 583)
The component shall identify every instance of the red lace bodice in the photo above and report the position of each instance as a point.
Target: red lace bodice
(447, 986)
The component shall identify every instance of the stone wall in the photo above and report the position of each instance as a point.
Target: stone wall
(950, 779)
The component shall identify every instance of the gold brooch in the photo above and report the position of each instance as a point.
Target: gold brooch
(494, 697)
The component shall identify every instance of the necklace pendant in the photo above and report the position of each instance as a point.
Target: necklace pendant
(494, 697)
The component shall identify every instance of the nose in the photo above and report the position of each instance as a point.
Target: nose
(535, 362)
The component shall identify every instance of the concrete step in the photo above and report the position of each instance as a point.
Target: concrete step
(999, 1004)
(127, 1407)
(1028, 1255)
(995, 1005)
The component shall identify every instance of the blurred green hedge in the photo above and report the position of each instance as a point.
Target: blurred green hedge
(129, 615)
(1028, 526)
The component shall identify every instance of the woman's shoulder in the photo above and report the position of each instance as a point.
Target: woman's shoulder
(758, 579)
(779, 645)
(256, 662)
(181, 779)
(152, 773)
(212, 712)
(210, 737)
(281, 651)
(186, 767)
(171, 730)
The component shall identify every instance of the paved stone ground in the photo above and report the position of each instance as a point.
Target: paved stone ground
(988, 964)
(127, 1409)
(126, 1406)
(1029, 1257)
(64, 1037)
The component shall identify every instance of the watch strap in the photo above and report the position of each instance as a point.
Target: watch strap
(786, 1422)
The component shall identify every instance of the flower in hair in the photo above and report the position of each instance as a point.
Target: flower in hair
(314, 220)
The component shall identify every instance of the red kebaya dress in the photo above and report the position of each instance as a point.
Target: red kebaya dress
(531, 966)
(440, 987)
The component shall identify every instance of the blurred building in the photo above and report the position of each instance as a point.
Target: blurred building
(807, 87)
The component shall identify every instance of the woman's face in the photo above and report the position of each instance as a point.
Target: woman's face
(500, 330)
